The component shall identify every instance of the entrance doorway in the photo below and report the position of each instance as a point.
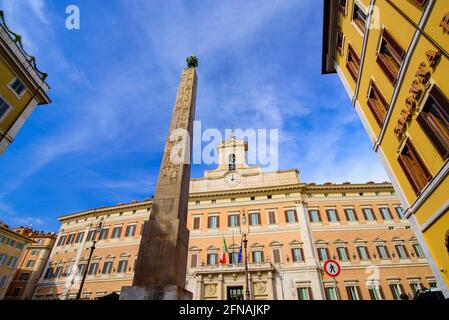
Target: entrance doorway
(235, 293)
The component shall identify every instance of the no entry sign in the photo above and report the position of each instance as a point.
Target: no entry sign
(332, 268)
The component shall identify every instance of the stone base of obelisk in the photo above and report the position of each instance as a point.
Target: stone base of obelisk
(158, 293)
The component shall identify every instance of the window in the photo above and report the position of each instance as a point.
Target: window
(12, 262)
(231, 162)
(352, 63)
(396, 291)
(93, 268)
(254, 219)
(400, 213)
(416, 287)
(213, 222)
(116, 232)
(20, 245)
(81, 269)
(130, 230)
(212, 259)
(332, 215)
(383, 252)
(35, 253)
(304, 294)
(271, 217)
(363, 253)
(58, 272)
(90, 235)
(386, 214)
(359, 18)
(68, 270)
(368, 214)
(432, 284)
(79, 237)
(3, 280)
(232, 199)
(193, 261)
(375, 292)
(4, 107)
(276, 256)
(18, 87)
(331, 293)
(418, 250)
(103, 234)
(340, 41)
(414, 168)
(377, 103)
(402, 252)
(291, 216)
(2, 239)
(70, 239)
(233, 220)
(16, 291)
(3, 258)
(107, 267)
(197, 203)
(48, 273)
(234, 257)
(350, 215)
(420, 2)
(434, 119)
(29, 264)
(390, 56)
(10, 243)
(24, 276)
(314, 216)
(353, 293)
(342, 253)
(257, 256)
(297, 255)
(323, 254)
(196, 223)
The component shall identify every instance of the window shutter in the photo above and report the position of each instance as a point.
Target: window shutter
(258, 218)
(391, 75)
(296, 215)
(218, 222)
(229, 220)
(276, 256)
(194, 261)
(209, 222)
(253, 256)
(286, 216)
(387, 36)
(301, 250)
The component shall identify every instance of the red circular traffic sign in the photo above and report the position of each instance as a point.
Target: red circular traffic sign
(332, 268)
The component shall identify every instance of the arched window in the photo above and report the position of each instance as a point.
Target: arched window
(231, 162)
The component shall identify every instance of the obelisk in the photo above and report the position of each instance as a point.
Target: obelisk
(160, 272)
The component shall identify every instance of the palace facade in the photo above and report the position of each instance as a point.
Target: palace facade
(292, 228)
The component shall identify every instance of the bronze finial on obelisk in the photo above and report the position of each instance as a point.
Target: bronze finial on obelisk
(161, 266)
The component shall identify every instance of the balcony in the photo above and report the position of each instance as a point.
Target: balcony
(233, 268)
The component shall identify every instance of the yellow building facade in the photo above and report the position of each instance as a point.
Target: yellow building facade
(12, 248)
(392, 57)
(31, 265)
(22, 85)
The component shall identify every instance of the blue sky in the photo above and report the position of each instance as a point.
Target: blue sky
(114, 83)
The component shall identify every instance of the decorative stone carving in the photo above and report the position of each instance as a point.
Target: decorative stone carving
(260, 287)
(211, 289)
(445, 23)
(423, 74)
(432, 57)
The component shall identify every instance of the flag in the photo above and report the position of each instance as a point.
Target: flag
(224, 251)
(240, 253)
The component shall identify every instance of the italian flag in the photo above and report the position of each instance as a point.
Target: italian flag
(224, 251)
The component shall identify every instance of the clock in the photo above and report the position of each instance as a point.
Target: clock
(233, 179)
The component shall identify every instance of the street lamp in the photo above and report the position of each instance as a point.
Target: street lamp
(92, 248)
(245, 245)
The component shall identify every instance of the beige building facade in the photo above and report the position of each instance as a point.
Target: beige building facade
(292, 228)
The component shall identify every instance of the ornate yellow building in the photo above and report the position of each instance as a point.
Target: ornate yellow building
(12, 248)
(292, 228)
(393, 60)
(22, 85)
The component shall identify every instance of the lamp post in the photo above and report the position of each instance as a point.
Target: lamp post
(245, 245)
(92, 248)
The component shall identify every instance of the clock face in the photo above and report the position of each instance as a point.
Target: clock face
(233, 179)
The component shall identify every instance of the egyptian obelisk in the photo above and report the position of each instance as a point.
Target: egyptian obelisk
(160, 272)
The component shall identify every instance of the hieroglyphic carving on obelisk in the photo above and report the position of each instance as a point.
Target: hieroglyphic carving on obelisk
(161, 265)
